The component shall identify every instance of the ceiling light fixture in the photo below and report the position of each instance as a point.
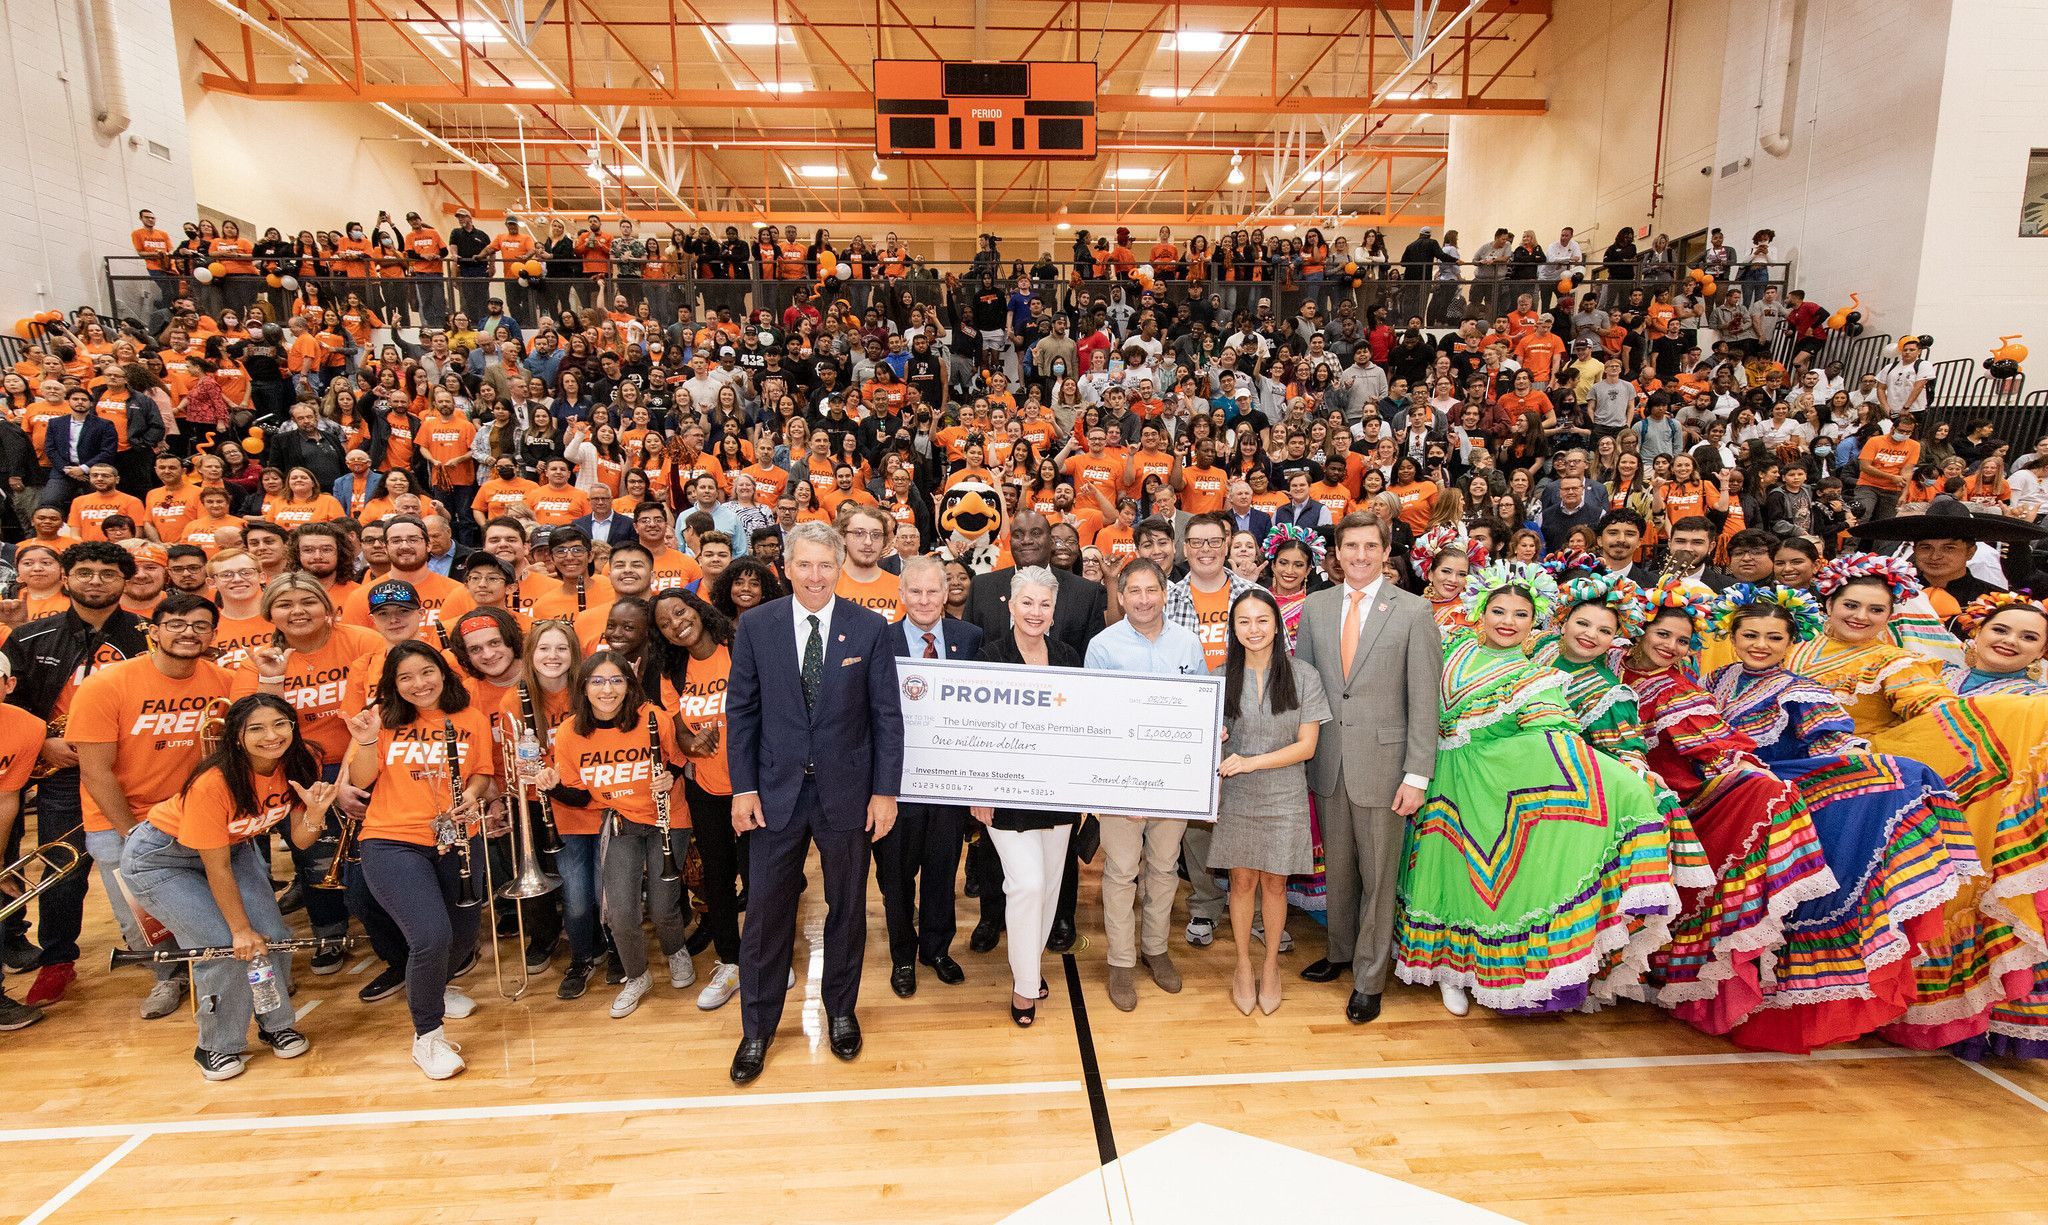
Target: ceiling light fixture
(751, 34)
(1195, 40)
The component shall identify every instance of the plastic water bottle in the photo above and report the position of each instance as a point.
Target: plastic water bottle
(529, 754)
(263, 984)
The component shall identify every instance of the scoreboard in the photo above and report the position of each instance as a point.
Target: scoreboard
(984, 109)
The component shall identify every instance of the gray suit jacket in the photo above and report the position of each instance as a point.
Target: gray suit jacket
(1387, 709)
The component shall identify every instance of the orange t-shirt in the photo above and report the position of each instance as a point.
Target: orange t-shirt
(170, 509)
(1148, 464)
(561, 605)
(234, 636)
(1885, 461)
(883, 593)
(1336, 497)
(616, 764)
(1116, 541)
(435, 590)
(314, 683)
(673, 568)
(412, 775)
(426, 248)
(21, 743)
(549, 711)
(1103, 473)
(495, 497)
(1540, 354)
(554, 507)
(769, 482)
(205, 532)
(700, 705)
(515, 249)
(447, 441)
(154, 246)
(1203, 491)
(398, 441)
(322, 509)
(1684, 499)
(89, 510)
(1212, 612)
(204, 817)
(153, 723)
(1417, 501)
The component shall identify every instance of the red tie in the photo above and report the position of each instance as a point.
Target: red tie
(931, 647)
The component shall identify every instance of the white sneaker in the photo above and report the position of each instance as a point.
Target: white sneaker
(455, 1003)
(630, 995)
(791, 984)
(1457, 1001)
(681, 973)
(1259, 934)
(437, 1056)
(724, 984)
(163, 998)
(1201, 931)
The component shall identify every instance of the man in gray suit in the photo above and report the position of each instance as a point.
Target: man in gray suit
(1380, 657)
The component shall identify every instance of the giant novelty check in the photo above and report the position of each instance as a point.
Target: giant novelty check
(1064, 739)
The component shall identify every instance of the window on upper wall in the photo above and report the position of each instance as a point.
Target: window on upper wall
(2034, 204)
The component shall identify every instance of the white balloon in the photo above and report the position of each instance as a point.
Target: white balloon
(203, 275)
(289, 283)
(1144, 272)
(765, 339)
(837, 274)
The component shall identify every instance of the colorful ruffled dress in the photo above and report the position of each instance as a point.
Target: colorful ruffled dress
(1760, 842)
(1449, 614)
(1537, 874)
(1993, 753)
(1895, 840)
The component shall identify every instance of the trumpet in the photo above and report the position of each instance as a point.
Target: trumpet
(347, 850)
(213, 727)
(670, 872)
(119, 958)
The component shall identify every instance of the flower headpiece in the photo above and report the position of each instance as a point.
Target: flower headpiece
(1284, 532)
(1564, 561)
(1807, 620)
(1623, 595)
(1441, 539)
(1695, 600)
(1891, 571)
(1488, 581)
(1989, 605)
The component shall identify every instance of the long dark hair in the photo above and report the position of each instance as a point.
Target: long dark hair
(299, 763)
(397, 712)
(1280, 696)
(630, 710)
(668, 661)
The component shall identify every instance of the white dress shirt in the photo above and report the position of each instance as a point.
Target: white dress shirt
(1371, 592)
(802, 625)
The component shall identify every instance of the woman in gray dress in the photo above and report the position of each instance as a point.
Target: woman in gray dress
(1272, 714)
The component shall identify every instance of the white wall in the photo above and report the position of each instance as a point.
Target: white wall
(1588, 161)
(1849, 199)
(68, 195)
(1978, 279)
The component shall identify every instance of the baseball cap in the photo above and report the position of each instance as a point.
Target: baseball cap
(1582, 343)
(481, 560)
(396, 593)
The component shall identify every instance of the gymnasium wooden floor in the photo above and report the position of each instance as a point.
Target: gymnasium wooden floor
(952, 1114)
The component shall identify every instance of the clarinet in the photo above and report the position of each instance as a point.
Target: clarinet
(466, 895)
(582, 596)
(670, 872)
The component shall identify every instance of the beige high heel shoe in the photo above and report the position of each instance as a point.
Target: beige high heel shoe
(1269, 993)
(1242, 993)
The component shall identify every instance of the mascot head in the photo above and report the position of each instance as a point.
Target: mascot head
(971, 518)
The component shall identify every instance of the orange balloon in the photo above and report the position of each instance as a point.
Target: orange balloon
(274, 281)
(252, 446)
(22, 326)
(218, 269)
(535, 268)
(826, 263)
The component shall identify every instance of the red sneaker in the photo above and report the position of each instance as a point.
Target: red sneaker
(50, 985)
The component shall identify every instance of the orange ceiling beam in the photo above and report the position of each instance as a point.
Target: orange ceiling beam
(833, 99)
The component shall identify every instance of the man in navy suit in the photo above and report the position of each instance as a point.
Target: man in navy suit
(72, 444)
(923, 851)
(601, 523)
(816, 752)
(1244, 517)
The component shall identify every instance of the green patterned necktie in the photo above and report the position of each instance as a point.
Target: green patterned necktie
(814, 662)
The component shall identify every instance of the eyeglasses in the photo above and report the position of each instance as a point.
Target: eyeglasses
(605, 682)
(184, 627)
(569, 550)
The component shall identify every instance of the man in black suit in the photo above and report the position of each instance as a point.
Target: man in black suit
(1620, 535)
(72, 444)
(1692, 543)
(816, 753)
(1078, 614)
(923, 852)
(1244, 517)
(601, 523)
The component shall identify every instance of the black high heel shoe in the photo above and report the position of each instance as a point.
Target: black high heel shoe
(1023, 1016)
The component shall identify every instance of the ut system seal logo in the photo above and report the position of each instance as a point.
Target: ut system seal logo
(914, 687)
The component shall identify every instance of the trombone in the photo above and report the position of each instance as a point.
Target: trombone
(529, 878)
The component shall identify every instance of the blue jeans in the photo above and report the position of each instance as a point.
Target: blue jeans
(104, 845)
(418, 886)
(576, 864)
(170, 882)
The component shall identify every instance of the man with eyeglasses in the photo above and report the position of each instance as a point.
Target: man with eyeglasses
(406, 551)
(1200, 604)
(866, 531)
(52, 656)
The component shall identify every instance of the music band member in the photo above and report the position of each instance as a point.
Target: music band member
(614, 753)
(422, 835)
(194, 864)
(540, 701)
(51, 656)
(21, 745)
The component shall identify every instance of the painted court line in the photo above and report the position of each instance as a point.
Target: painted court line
(2019, 1091)
(83, 1181)
(741, 1101)
(305, 1008)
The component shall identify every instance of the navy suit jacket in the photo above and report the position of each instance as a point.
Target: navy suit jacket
(963, 639)
(94, 445)
(851, 738)
(1259, 523)
(621, 528)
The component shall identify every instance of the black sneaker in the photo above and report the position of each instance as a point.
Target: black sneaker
(286, 1043)
(575, 981)
(293, 899)
(614, 970)
(16, 1015)
(538, 955)
(21, 955)
(384, 986)
(699, 938)
(214, 1065)
(327, 959)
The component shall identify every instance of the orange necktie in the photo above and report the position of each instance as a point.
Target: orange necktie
(1352, 618)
